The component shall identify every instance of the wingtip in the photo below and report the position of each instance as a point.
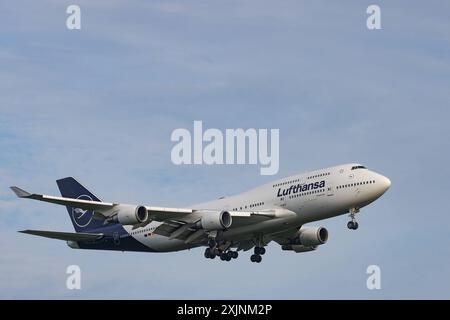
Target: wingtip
(20, 192)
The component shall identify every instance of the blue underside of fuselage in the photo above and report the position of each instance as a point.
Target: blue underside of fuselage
(115, 238)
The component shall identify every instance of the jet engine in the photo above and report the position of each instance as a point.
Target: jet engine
(214, 220)
(312, 236)
(131, 214)
(308, 239)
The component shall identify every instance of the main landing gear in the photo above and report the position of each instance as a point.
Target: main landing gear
(353, 225)
(225, 255)
(228, 255)
(212, 243)
(210, 253)
(222, 250)
(259, 251)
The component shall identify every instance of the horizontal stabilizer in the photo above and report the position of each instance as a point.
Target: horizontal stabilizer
(66, 236)
(20, 192)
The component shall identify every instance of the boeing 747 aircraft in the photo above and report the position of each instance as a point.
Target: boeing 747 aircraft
(277, 211)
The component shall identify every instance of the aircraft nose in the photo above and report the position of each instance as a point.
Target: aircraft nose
(385, 183)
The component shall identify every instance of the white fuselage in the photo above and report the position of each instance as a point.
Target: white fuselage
(296, 200)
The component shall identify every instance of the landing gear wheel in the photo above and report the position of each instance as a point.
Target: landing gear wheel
(260, 250)
(255, 258)
(223, 256)
(352, 225)
(234, 254)
(208, 253)
(229, 255)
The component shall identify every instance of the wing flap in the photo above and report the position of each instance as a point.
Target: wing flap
(162, 214)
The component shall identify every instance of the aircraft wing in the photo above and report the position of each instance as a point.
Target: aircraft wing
(160, 214)
(177, 223)
(102, 208)
(183, 228)
(66, 236)
(74, 203)
(185, 215)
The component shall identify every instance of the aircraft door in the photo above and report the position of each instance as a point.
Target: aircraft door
(330, 190)
(282, 201)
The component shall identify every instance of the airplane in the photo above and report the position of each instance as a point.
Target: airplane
(276, 211)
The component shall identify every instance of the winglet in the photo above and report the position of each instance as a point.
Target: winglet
(20, 192)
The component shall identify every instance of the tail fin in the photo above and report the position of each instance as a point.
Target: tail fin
(82, 220)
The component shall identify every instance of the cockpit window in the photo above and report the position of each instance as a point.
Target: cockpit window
(358, 167)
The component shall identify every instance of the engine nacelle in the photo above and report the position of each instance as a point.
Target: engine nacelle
(298, 248)
(131, 215)
(312, 236)
(214, 220)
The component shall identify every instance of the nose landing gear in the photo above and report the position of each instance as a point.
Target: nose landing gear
(353, 225)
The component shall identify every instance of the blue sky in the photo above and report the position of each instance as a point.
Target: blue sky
(100, 104)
